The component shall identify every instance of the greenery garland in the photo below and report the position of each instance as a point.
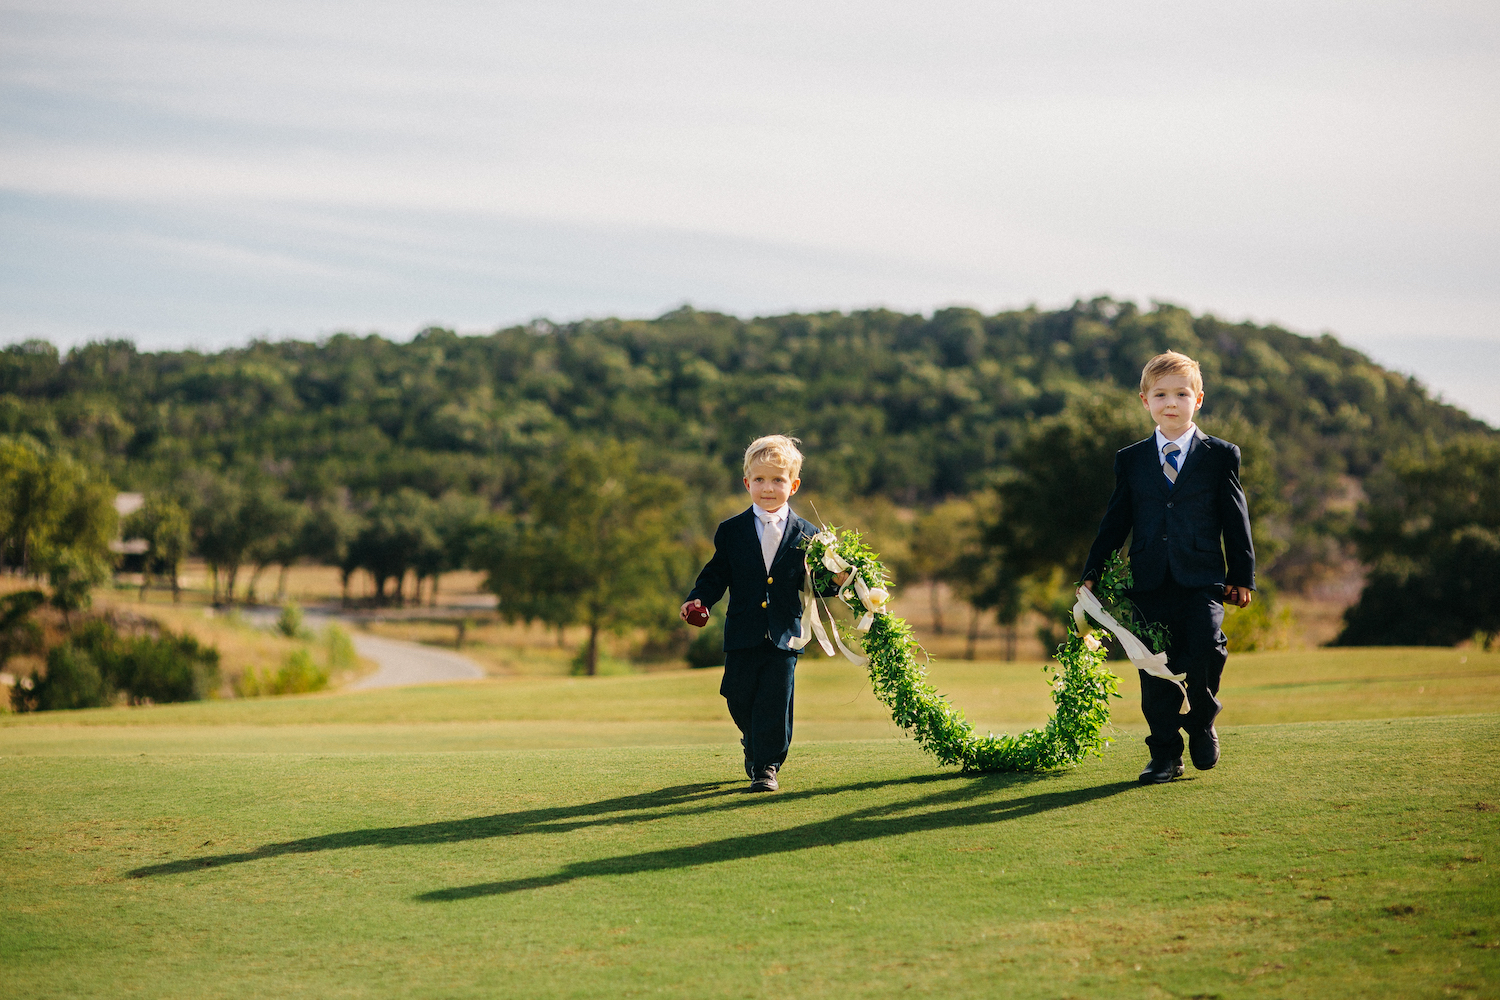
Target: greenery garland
(1081, 684)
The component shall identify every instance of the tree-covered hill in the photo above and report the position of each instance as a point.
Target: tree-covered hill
(909, 407)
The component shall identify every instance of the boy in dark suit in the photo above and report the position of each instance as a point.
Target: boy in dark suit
(758, 557)
(1176, 494)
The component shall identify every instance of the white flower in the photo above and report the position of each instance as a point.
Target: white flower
(878, 596)
(1092, 642)
(825, 537)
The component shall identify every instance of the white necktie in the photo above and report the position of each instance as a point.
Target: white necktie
(770, 540)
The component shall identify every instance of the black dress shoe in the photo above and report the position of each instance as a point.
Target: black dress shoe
(1203, 748)
(765, 780)
(1161, 771)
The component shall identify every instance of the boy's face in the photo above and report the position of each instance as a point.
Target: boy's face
(770, 486)
(1172, 402)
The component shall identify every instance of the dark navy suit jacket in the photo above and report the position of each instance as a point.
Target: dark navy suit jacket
(761, 603)
(1178, 528)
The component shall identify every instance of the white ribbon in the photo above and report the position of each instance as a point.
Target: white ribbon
(810, 614)
(849, 654)
(873, 598)
(1155, 664)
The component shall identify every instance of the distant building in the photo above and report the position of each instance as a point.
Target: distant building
(131, 548)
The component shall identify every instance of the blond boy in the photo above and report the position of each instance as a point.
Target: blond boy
(1178, 498)
(758, 558)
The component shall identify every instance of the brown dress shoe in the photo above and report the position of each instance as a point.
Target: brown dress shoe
(765, 780)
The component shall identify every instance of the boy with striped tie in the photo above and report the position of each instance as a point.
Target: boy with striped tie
(1178, 498)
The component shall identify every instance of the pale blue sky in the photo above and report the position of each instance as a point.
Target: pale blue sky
(200, 173)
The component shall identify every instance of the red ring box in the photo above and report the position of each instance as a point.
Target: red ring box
(697, 615)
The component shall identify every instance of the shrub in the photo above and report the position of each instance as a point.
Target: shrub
(1263, 625)
(1441, 600)
(73, 680)
(73, 574)
(298, 675)
(289, 622)
(338, 648)
(151, 668)
(169, 668)
(97, 663)
(18, 632)
(707, 647)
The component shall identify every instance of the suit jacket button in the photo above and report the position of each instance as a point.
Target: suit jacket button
(1169, 503)
(769, 580)
(762, 603)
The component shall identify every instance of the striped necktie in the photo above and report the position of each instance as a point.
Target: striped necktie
(1170, 468)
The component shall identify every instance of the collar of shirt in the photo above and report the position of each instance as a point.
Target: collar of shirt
(1182, 442)
(769, 517)
(762, 518)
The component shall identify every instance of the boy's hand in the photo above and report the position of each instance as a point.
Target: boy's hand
(841, 578)
(1240, 597)
(690, 604)
(1088, 585)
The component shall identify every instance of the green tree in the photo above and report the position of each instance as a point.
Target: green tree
(914, 409)
(230, 515)
(942, 538)
(456, 522)
(76, 555)
(1431, 537)
(397, 530)
(328, 534)
(595, 547)
(58, 518)
(1059, 483)
(37, 490)
(167, 530)
(281, 545)
(1047, 506)
(519, 558)
(19, 632)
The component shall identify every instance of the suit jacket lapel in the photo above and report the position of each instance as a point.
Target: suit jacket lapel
(789, 535)
(750, 536)
(1193, 458)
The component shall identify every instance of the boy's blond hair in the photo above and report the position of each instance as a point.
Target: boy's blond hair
(775, 449)
(1171, 363)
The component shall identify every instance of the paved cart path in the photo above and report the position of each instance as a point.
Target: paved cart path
(405, 663)
(400, 663)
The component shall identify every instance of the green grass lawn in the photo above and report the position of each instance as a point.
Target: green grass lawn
(583, 838)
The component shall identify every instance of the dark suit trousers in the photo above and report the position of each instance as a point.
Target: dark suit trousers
(758, 685)
(1198, 648)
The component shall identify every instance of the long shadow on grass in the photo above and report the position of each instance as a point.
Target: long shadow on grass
(889, 820)
(679, 800)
